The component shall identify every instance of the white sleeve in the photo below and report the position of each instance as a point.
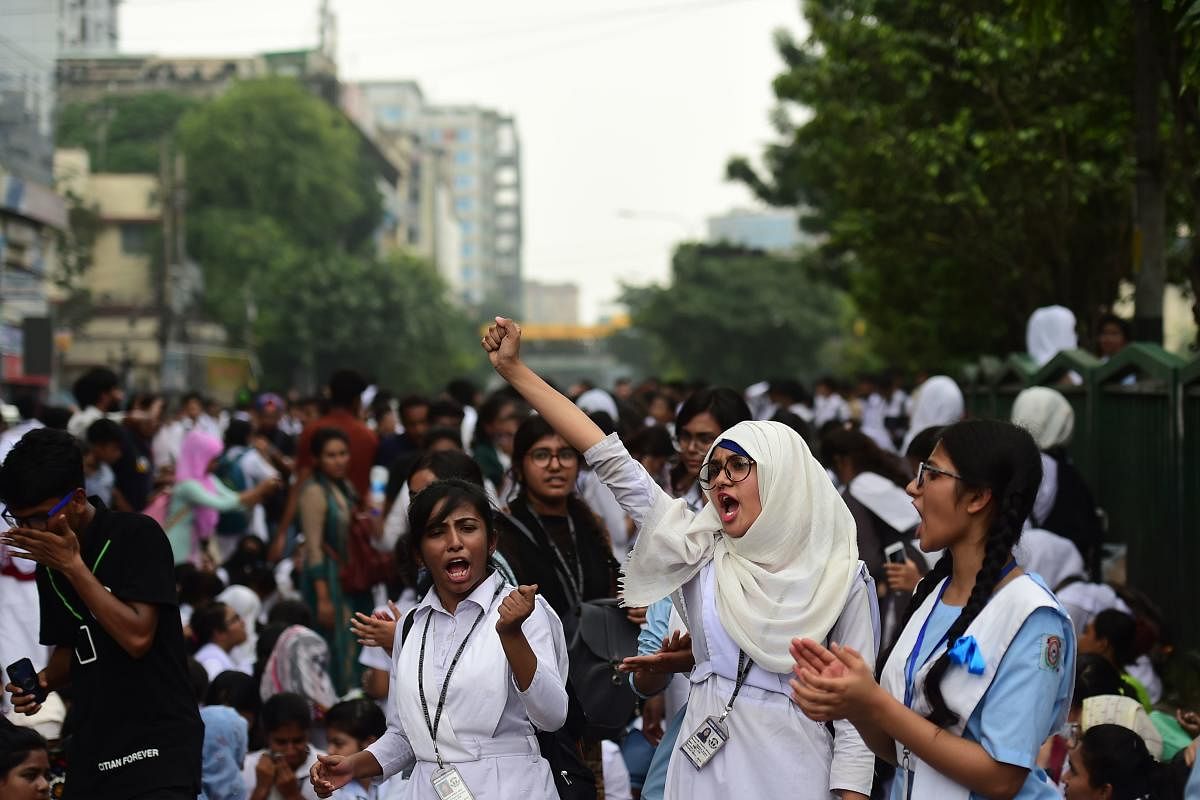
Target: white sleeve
(546, 698)
(395, 524)
(853, 764)
(633, 487)
(256, 468)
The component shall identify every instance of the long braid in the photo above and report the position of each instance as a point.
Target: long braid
(942, 569)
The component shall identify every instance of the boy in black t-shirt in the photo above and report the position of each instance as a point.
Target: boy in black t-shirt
(106, 591)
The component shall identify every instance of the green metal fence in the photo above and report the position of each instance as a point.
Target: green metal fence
(1137, 442)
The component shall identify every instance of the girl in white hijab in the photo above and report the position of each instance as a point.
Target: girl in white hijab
(937, 401)
(1050, 330)
(771, 556)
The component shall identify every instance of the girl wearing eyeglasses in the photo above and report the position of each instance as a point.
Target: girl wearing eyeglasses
(772, 554)
(982, 671)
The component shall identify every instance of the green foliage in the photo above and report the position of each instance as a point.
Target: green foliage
(74, 247)
(736, 316)
(962, 173)
(122, 133)
(269, 148)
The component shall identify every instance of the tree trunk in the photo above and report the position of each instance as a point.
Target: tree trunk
(1150, 210)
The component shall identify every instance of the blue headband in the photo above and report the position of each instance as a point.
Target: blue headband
(734, 447)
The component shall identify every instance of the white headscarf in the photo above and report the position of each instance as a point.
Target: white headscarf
(1046, 414)
(246, 603)
(788, 576)
(937, 401)
(1050, 331)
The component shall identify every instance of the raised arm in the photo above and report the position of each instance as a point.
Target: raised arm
(503, 346)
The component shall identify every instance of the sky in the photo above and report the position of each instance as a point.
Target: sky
(627, 111)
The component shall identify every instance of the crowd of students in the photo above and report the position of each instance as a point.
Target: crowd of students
(850, 593)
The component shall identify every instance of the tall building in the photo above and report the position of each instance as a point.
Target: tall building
(773, 230)
(484, 158)
(87, 26)
(551, 303)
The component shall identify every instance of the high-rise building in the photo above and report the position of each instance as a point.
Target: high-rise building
(87, 26)
(773, 230)
(484, 161)
(551, 303)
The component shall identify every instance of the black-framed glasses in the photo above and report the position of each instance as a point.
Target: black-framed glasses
(686, 440)
(542, 456)
(736, 469)
(927, 467)
(42, 520)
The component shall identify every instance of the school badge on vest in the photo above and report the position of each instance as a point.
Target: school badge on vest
(1050, 658)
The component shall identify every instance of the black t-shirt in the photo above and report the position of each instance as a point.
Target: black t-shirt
(137, 723)
(134, 470)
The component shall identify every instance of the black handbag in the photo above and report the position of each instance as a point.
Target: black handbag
(603, 637)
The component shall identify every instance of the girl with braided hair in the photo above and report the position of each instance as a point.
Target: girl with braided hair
(983, 669)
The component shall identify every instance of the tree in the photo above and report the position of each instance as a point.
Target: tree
(735, 316)
(122, 132)
(961, 174)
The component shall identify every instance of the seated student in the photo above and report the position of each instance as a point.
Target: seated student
(1094, 677)
(1112, 634)
(226, 736)
(349, 727)
(238, 691)
(1112, 763)
(24, 763)
(280, 772)
(218, 629)
(104, 442)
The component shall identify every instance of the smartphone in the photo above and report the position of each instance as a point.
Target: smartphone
(894, 553)
(22, 675)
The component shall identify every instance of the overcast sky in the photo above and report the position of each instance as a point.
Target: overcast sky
(620, 105)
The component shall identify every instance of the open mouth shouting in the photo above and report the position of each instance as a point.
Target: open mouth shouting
(458, 570)
(728, 507)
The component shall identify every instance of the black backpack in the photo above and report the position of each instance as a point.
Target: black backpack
(572, 778)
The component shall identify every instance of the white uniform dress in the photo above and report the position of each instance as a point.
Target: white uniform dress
(487, 725)
(773, 749)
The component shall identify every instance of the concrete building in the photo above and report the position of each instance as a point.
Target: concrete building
(484, 156)
(87, 26)
(551, 303)
(773, 230)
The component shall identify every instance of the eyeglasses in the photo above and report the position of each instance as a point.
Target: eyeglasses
(925, 467)
(37, 521)
(544, 455)
(686, 440)
(736, 469)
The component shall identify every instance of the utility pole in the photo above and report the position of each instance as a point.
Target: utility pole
(1150, 201)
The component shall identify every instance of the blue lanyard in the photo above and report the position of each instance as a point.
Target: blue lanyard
(910, 667)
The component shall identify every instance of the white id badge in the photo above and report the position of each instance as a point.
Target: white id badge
(449, 785)
(702, 745)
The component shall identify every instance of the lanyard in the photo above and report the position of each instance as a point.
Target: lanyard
(910, 667)
(744, 664)
(57, 591)
(575, 579)
(437, 719)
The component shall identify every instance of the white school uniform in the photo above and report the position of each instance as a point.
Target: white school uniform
(773, 749)
(487, 726)
(307, 792)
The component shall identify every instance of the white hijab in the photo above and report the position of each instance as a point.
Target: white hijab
(1051, 330)
(246, 603)
(937, 401)
(788, 576)
(1046, 414)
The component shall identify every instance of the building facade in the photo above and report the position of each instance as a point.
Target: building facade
(772, 230)
(551, 303)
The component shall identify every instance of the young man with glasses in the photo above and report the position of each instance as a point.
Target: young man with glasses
(106, 592)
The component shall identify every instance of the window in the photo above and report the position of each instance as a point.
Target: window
(468, 250)
(463, 182)
(135, 238)
(464, 134)
(463, 205)
(463, 157)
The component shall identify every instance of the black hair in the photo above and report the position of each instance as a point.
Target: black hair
(491, 410)
(235, 689)
(290, 612)
(864, 454)
(1095, 676)
(1003, 459)
(359, 719)
(792, 389)
(1120, 631)
(456, 493)
(238, 433)
(55, 417)
(189, 397)
(345, 388)
(285, 708)
(91, 385)
(197, 679)
(796, 423)
(462, 391)
(652, 441)
(531, 431)
(208, 621)
(27, 404)
(604, 421)
(249, 555)
(45, 464)
(1112, 319)
(440, 409)
(921, 446)
(443, 434)
(413, 401)
(448, 464)
(197, 588)
(1115, 756)
(323, 437)
(268, 637)
(104, 431)
(727, 407)
(16, 743)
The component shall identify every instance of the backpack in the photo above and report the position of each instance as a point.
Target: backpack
(573, 779)
(229, 472)
(365, 565)
(603, 637)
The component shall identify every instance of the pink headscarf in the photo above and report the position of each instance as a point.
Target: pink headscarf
(196, 453)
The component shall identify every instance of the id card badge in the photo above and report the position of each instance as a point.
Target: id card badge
(448, 784)
(702, 745)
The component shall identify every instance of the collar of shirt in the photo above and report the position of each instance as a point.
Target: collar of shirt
(481, 596)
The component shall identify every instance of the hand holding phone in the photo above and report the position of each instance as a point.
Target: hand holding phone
(26, 687)
(894, 553)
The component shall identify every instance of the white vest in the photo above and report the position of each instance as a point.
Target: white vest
(994, 630)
